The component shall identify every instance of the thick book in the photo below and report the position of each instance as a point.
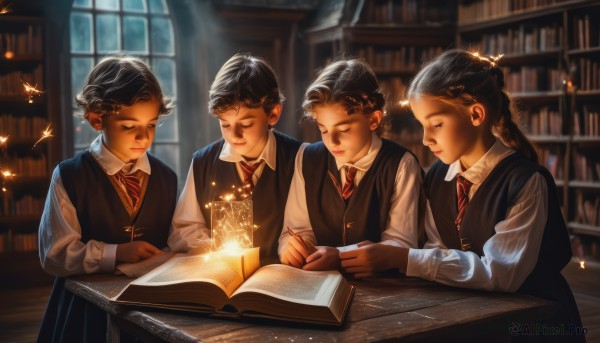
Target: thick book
(233, 285)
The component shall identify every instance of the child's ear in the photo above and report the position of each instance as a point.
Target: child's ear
(275, 114)
(375, 120)
(95, 120)
(478, 114)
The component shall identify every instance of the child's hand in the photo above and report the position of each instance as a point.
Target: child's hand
(325, 258)
(135, 251)
(370, 259)
(294, 253)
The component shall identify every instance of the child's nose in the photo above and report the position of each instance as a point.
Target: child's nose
(142, 134)
(238, 132)
(334, 138)
(427, 139)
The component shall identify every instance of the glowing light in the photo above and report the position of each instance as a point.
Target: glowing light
(581, 264)
(231, 248)
(490, 59)
(213, 183)
(31, 91)
(4, 189)
(403, 103)
(3, 139)
(47, 133)
(8, 54)
(4, 7)
(232, 224)
(7, 173)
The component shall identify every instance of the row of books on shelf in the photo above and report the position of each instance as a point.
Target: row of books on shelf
(392, 12)
(586, 122)
(21, 127)
(12, 83)
(585, 167)
(586, 32)
(522, 40)
(18, 242)
(32, 166)
(27, 205)
(589, 73)
(587, 207)
(552, 158)
(545, 122)
(394, 89)
(476, 11)
(532, 79)
(22, 43)
(404, 59)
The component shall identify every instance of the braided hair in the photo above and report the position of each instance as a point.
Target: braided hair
(466, 78)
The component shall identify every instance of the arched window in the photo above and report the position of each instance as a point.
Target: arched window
(142, 28)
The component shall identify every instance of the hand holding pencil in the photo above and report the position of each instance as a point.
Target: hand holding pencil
(296, 250)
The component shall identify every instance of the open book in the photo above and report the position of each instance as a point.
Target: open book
(231, 286)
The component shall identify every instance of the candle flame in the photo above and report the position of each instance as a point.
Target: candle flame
(47, 133)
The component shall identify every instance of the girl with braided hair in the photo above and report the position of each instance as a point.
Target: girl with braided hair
(493, 220)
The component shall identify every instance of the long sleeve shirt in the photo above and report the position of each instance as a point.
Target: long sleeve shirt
(508, 256)
(61, 251)
(402, 222)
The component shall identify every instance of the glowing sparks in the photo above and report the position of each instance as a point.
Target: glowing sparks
(3, 139)
(490, 59)
(7, 173)
(581, 264)
(4, 8)
(231, 247)
(403, 103)
(31, 91)
(47, 133)
(232, 224)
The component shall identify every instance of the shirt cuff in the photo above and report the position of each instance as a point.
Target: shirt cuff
(422, 263)
(108, 259)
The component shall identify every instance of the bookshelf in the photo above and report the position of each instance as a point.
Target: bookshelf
(22, 121)
(551, 63)
(395, 37)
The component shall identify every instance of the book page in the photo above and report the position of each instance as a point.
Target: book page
(292, 284)
(223, 273)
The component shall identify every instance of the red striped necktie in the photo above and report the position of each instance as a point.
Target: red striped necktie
(132, 185)
(248, 169)
(349, 185)
(462, 191)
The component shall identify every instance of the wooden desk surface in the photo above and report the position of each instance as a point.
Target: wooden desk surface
(382, 309)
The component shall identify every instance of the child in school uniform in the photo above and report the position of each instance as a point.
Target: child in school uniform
(494, 221)
(246, 99)
(98, 196)
(352, 187)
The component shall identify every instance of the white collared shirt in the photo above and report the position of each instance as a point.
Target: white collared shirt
(509, 256)
(189, 230)
(62, 253)
(402, 222)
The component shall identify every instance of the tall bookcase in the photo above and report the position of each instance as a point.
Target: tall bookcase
(22, 121)
(551, 68)
(395, 37)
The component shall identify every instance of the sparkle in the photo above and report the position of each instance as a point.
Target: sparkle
(47, 133)
(31, 91)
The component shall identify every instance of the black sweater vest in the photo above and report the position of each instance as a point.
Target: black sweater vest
(269, 194)
(336, 222)
(490, 205)
(100, 211)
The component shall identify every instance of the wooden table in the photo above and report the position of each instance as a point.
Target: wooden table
(383, 309)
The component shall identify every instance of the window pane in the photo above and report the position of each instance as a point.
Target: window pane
(158, 6)
(107, 4)
(82, 3)
(167, 131)
(169, 154)
(164, 69)
(107, 33)
(81, 32)
(135, 5)
(135, 31)
(80, 68)
(83, 132)
(162, 35)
